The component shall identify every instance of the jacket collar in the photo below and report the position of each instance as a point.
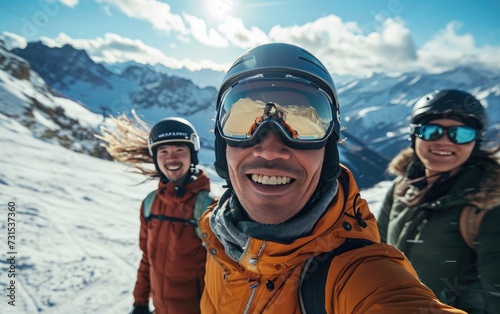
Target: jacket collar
(198, 183)
(332, 229)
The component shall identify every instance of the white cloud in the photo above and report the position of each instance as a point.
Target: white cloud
(13, 40)
(383, 44)
(448, 38)
(449, 48)
(155, 12)
(69, 3)
(113, 48)
(349, 48)
(185, 26)
(238, 35)
(199, 31)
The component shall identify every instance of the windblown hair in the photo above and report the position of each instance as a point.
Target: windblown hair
(128, 142)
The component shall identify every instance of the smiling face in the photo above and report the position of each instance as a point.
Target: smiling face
(174, 161)
(442, 155)
(272, 181)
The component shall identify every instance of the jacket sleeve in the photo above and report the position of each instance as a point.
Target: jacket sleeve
(384, 213)
(142, 286)
(486, 291)
(383, 282)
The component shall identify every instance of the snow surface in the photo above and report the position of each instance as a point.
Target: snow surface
(77, 226)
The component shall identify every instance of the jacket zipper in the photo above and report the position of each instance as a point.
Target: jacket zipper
(254, 283)
(253, 286)
(420, 228)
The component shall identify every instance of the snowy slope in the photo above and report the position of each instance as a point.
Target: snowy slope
(77, 225)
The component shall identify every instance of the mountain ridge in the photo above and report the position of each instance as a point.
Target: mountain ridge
(374, 111)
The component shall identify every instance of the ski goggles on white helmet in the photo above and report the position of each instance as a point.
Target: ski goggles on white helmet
(298, 111)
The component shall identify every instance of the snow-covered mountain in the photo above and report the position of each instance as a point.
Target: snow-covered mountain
(154, 95)
(25, 98)
(375, 111)
(202, 78)
(75, 217)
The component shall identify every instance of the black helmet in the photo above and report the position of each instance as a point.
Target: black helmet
(174, 130)
(450, 104)
(280, 60)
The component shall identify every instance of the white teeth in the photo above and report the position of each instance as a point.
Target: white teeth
(173, 168)
(440, 152)
(270, 180)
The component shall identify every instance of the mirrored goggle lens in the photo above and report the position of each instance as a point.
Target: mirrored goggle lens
(456, 134)
(302, 111)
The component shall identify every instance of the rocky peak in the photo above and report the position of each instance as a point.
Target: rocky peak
(13, 65)
(60, 67)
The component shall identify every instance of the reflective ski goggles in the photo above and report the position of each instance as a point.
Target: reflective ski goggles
(297, 110)
(460, 134)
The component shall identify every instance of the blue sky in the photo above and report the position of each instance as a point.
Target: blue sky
(356, 37)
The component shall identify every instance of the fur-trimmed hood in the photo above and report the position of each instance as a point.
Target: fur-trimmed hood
(486, 196)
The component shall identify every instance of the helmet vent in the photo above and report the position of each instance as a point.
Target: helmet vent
(242, 60)
(312, 62)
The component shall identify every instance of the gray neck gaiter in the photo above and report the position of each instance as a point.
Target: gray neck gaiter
(232, 226)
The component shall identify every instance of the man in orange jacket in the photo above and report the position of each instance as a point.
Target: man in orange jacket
(289, 200)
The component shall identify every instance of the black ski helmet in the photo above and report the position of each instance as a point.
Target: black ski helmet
(280, 59)
(449, 104)
(174, 131)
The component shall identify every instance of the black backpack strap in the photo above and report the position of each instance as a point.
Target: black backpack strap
(190, 221)
(315, 273)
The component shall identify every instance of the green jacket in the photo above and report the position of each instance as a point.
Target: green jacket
(429, 235)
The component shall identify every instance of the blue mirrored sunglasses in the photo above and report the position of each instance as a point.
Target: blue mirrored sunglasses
(459, 134)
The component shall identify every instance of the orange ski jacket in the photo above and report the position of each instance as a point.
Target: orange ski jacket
(172, 268)
(372, 279)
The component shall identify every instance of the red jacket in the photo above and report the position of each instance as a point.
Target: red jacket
(172, 268)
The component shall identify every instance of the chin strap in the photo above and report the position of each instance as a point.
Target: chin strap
(180, 188)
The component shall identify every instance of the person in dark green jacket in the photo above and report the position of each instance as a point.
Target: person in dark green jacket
(446, 176)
